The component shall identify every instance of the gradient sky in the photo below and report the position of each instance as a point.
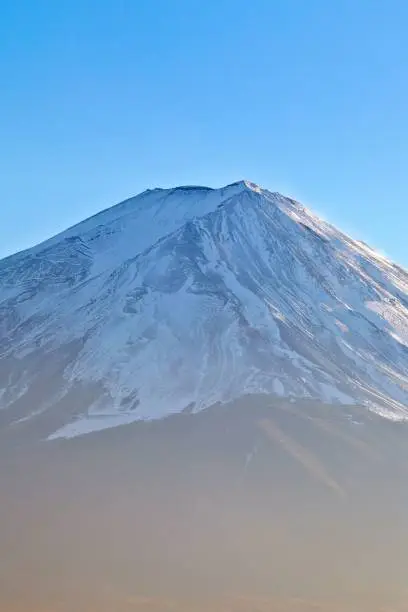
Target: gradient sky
(102, 99)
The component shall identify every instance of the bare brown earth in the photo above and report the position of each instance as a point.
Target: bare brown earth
(249, 507)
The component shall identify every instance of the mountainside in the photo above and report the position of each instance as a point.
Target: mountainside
(181, 298)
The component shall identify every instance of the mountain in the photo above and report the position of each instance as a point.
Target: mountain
(294, 339)
(178, 299)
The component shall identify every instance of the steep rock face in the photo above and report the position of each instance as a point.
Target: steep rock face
(177, 299)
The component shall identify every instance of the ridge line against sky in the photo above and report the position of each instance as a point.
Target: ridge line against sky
(245, 181)
(102, 99)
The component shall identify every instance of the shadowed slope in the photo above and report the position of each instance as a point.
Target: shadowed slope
(210, 512)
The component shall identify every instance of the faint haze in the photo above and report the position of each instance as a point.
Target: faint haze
(254, 506)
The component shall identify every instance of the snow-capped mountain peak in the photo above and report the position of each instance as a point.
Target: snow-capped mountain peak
(189, 296)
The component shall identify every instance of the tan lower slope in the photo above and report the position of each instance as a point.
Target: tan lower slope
(245, 507)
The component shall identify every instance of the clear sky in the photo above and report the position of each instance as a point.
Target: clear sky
(102, 99)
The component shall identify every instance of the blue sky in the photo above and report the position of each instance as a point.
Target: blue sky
(102, 99)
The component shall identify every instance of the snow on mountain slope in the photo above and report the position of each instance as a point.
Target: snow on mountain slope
(185, 297)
